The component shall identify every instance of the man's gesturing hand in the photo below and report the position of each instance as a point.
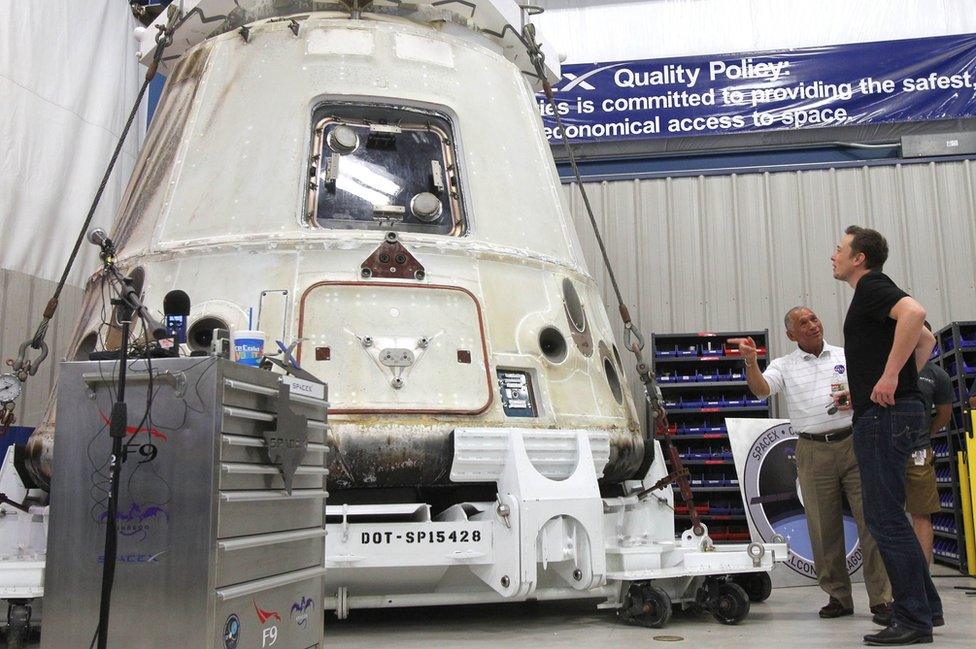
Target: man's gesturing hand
(747, 347)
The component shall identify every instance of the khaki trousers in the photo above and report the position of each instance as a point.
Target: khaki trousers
(826, 470)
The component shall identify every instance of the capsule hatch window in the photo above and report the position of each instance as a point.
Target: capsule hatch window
(384, 168)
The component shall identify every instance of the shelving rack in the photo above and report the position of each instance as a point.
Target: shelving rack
(703, 381)
(955, 352)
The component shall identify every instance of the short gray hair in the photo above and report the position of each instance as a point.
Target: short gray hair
(789, 314)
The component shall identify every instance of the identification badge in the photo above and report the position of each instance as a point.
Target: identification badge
(919, 457)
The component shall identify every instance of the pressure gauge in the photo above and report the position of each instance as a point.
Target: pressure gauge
(10, 388)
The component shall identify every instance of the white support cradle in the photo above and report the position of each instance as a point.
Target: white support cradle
(549, 534)
(23, 538)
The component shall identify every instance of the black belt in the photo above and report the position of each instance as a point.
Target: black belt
(832, 436)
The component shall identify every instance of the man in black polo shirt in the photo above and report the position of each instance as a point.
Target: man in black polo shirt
(885, 345)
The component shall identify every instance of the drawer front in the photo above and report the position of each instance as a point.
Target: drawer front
(253, 423)
(255, 557)
(235, 475)
(241, 513)
(281, 611)
(251, 450)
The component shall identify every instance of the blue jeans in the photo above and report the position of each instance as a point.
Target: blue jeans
(883, 440)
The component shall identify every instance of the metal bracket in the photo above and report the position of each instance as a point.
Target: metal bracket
(392, 260)
(288, 441)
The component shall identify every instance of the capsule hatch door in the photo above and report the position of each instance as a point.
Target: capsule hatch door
(390, 347)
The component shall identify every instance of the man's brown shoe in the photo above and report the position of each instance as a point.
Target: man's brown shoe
(835, 609)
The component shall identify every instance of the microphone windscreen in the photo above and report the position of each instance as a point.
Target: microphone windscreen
(176, 303)
(97, 236)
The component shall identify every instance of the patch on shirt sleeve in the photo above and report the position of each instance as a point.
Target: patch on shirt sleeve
(839, 369)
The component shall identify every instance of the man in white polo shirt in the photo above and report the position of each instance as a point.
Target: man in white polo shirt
(825, 463)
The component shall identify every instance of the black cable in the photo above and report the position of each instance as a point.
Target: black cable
(126, 308)
(117, 430)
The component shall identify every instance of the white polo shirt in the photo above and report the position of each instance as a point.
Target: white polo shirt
(806, 381)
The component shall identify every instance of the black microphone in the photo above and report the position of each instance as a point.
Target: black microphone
(176, 308)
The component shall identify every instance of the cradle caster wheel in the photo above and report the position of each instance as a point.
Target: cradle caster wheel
(647, 605)
(18, 623)
(729, 603)
(758, 585)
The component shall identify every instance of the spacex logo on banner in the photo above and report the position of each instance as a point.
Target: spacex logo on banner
(580, 81)
(765, 460)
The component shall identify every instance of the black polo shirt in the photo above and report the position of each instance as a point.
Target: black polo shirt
(869, 333)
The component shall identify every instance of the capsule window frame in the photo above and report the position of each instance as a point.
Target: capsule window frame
(442, 122)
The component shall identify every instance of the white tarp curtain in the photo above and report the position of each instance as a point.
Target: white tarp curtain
(590, 31)
(68, 77)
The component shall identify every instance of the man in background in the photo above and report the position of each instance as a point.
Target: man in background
(921, 493)
(885, 346)
(825, 464)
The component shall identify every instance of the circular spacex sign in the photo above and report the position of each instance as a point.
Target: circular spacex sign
(775, 500)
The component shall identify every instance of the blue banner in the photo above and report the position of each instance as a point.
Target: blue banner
(920, 79)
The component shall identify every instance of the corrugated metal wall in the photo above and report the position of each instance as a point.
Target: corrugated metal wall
(734, 252)
(22, 301)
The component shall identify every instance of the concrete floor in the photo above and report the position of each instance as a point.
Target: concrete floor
(787, 620)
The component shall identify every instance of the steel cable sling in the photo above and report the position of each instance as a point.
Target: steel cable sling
(25, 366)
(634, 341)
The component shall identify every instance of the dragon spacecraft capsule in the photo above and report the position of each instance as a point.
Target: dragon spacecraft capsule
(376, 184)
